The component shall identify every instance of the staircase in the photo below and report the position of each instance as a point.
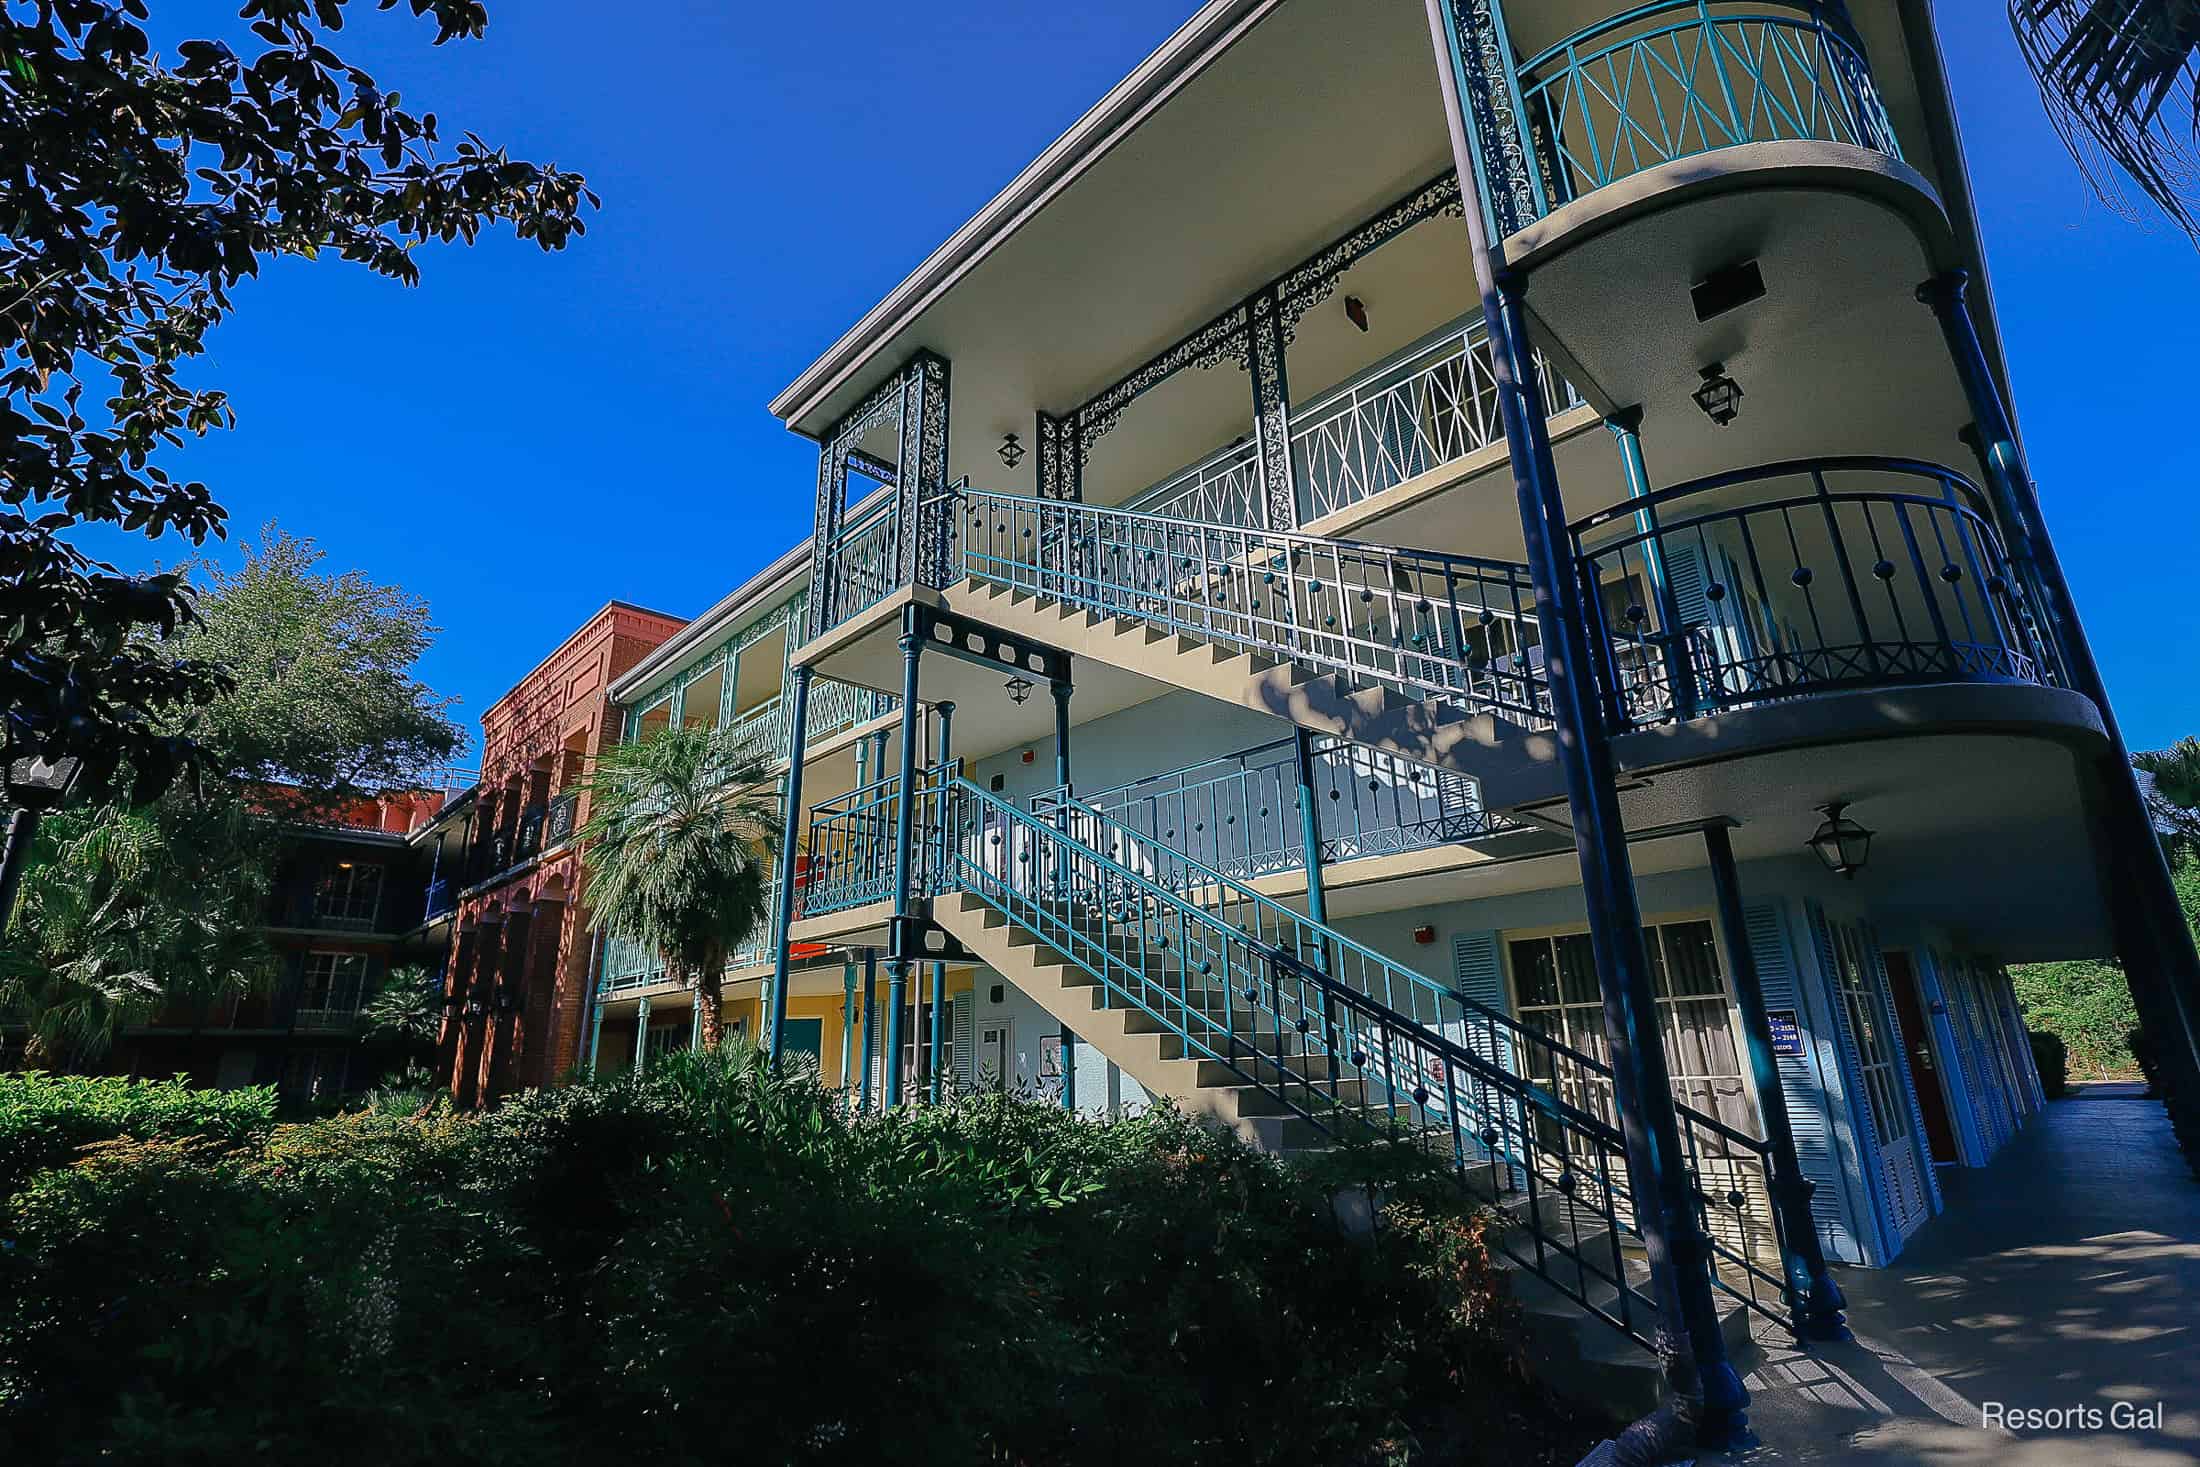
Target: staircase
(1432, 657)
(1294, 1036)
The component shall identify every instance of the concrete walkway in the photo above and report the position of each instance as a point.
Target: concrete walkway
(2067, 1274)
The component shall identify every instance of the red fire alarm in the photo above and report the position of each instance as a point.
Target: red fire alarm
(1424, 935)
(1029, 756)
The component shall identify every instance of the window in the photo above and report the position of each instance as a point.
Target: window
(350, 895)
(1555, 982)
(334, 985)
(919, 1026)
(314, 1075)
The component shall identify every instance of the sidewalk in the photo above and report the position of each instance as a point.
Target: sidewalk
(2067, 1274)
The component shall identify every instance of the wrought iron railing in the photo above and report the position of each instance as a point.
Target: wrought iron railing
(862, 564)
(1677, 78)
(1417, 411)
(852, 843)
(1425, 624)
(1804, 577)
(1341, 1034)
(837, 706)
(759, 736)
(442, 897)
(628, 966)
(1239, 813)
(1221, 489)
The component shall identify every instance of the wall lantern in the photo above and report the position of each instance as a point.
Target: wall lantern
(1720, 396)
(1019, 690)
(1011, 451)
(1840, 842)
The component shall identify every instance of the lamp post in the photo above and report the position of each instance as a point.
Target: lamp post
(35, 785)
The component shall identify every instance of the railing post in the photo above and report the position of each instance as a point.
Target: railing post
(2160, 963)
(1709, 1401)
(798, 726)
(1815, 1301)
(899, 957)
(1680, 667)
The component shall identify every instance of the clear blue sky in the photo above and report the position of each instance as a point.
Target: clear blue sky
(527, 435)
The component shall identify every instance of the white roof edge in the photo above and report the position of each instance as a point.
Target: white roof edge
(1196, 44)
(751, 595)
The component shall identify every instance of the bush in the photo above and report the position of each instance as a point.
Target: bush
(45, 1120)
(2087, 1005)
(2052, 1061)
(586, 1273)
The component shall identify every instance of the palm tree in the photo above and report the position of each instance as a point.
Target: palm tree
(678, 844)
(2173, 788)
(2121, 79)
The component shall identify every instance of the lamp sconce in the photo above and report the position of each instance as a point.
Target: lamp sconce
(1011, 451)
(1840, 843)
(1720, 396)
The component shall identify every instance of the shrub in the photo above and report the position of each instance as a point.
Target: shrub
(2085, 1004)
(711, 1263)
(2052, 1061)
(45, 1120)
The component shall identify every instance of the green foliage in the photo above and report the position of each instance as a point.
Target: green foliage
(138, 186)
(2085, 1004)
(125, 911)
(46, 1119)
(323, 695)
(679, 841)
(405, 1009)
(576, 1277)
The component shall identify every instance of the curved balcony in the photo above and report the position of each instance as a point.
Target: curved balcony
(1812, 576)
(1678, 78)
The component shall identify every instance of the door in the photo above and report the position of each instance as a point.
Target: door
(1866, 1022)
(1917, 1043)
(994, 1041)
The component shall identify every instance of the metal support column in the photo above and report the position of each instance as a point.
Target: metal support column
(847, 1020)
(1709, 1401)
(937, 1039)
(1069, 1070)
(595, 997)
(2156, 945)
(1264, 364)
(870, 1021)
(1680, 671)
(798, 730)
(641, 1035)
(905, 810)
(1815, 1301)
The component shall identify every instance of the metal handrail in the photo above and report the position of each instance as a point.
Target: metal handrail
(1223, 488)
(1737, 603)
(1638, 89)
(1421, 622)
(1242, 807)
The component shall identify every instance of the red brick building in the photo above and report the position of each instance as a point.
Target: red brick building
(516, 986)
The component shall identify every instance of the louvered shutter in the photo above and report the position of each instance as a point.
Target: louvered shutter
(1862, 1138)
(1918, 1174)
(966, 1043)
(1936, 984)
(1811, 1083)
(1478, 974)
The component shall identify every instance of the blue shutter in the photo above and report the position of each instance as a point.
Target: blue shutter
(2020, 1043)
(1862, 1138)
(1920, 1144)
(1992, 1056)
(1937, 986)
(1810, 1081)
(1478, 974)
(966, 1042)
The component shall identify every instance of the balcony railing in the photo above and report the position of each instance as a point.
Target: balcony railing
(863, 564)
(1221, 489)
(1240, 813)
(1676, 78)
(564, 820)
(1805, 577)
(442, 897)
(628, 966)
(851, 843)
(1425, 407)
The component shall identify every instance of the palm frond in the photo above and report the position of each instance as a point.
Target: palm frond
(2121, 83)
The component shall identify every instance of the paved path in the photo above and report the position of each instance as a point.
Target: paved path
(2065, 1274)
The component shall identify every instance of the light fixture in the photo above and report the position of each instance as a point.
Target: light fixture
(1011, 451)
(1840, 842)
(1019, 690)
(1355, 311)
(39, 783)
(1720, 397)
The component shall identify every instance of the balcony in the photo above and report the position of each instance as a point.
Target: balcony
(1671, 80)
(628, 967)
(563, 822)
(852, 843)
(1805, 577)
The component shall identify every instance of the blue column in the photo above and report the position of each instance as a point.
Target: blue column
(905, 801)
(1310, 827)
(870, 1020)
(2160, 964)
(641, 1034)
(798, 728)
(1815, 1301)
(595, 997)
(1069, 1070)
(1690, 1346)
(937, 1043)
(847, 1021)
(1680, 672)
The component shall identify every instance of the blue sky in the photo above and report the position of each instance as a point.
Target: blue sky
(526, 435)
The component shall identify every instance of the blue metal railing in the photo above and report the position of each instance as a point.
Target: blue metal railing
(1676, 78)
(1425, 624)
(1239, 812)
(863, 564)
(851, 842)
(1831, 573)
(1338, 1032)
